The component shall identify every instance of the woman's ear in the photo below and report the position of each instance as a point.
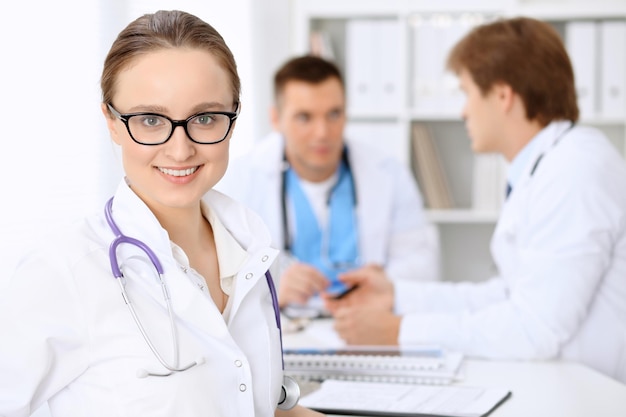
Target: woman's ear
(111, 124)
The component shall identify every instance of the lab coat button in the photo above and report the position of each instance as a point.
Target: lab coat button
(242, 387)
(265, 258)
(249, 275)
(238, 363)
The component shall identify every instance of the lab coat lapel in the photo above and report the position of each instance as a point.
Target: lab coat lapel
(246, 279)
(190, 305)
(135, 220)
(198, 310)
(505, 235)
(252, 234)
(194, 308)
(270, 178)
(374, 199)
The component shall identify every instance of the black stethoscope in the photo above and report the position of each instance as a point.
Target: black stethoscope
(283, 194)
(557, 139)
(290, 391)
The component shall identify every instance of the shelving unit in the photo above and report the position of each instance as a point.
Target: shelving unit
(465, 231)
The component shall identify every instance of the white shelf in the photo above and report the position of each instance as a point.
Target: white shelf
(446, 116)
(453, 216)
(603, 121)
(374, 116)
(569, 10)
(465, 232)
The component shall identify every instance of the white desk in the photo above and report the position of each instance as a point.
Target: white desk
(552, 389)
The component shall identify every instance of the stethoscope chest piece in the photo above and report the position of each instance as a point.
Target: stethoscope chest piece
(289, 395)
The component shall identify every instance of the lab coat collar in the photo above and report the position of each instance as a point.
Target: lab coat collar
(368, 173)
(135, 219)
(545, 139)
(519, 164)
(245, 225)
(230, 255)
(252, 234)
(522, 167)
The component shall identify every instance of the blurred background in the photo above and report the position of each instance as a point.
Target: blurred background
(59, 162)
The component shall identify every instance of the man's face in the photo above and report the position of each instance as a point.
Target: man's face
(481, 115)
(312, 118)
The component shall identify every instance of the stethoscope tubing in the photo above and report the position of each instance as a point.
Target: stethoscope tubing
(283, 194)
(117, 273)
(121, 238)
(556, 140)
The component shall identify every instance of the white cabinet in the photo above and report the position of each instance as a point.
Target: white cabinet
(392, 54)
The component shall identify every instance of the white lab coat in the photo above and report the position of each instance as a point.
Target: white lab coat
(392, 228)
(69, 338)
(560, 249)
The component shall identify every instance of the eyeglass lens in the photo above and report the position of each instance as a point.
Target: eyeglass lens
(203, 128)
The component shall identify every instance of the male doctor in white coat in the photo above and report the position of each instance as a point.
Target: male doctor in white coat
(331, 204)
(560, 243)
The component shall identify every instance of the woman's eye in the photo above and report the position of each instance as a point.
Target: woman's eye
(151, 120)
(205, 119)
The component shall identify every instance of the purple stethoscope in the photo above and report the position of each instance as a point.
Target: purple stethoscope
(290, 392)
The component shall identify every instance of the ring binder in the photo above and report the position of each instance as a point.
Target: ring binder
(419, 365)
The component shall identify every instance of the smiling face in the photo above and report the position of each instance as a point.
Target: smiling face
(176, 83)
(311, 117)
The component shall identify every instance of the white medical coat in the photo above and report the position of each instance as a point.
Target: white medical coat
(560, 249)
(69, 338)
(392, 228)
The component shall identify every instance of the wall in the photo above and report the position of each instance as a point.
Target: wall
(59, 162)
(50, 118)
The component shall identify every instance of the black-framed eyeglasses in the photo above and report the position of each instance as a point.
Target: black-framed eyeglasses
(204, 128)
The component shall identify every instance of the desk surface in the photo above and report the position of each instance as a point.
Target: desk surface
(539, 388)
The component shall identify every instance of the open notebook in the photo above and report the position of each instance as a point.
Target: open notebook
(407, 400)
(415, 365)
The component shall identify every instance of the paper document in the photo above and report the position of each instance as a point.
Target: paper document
(380, 399)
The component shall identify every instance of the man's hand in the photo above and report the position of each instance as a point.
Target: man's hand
(367, 326)
(298, 283)
(373, 290)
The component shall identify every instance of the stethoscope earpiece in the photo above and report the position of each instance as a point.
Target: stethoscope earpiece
(289, 394)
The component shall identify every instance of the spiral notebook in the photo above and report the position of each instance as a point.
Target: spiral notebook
(416, 365)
